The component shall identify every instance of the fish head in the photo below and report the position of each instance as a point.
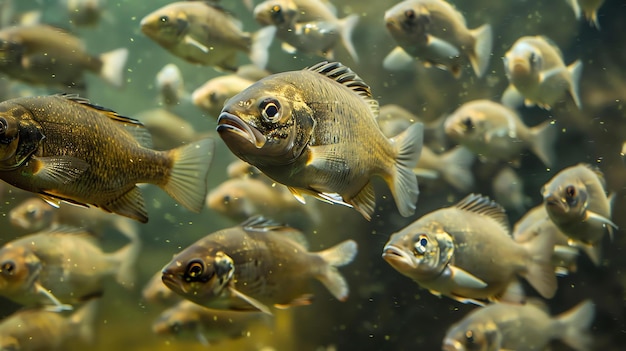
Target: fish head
(33, 215)
(176, 320)
(467, 125)
(213, 94)
(523, 60)
(19, 269)
(20, 135)
(471, 335)
(267, 124)
(408, 21)
(280, 13)
(230, 199)
(417, 253)
(11, 52)
(167, 25)
(565, 199)
(197, 275)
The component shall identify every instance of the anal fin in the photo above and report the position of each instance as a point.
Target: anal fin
(131, 204)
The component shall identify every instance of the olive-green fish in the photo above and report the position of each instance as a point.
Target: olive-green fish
(502, 326)
(256, 264)
(466, 252)
(203, 33)
(42, 54)
(315, 131)
(61, 267)
(67, 149)
(576, 202)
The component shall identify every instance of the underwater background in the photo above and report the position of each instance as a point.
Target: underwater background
(385, 310)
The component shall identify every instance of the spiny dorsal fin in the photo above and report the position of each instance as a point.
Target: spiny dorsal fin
(595, 171)
(345, 76)
(486, 207)
(262, 224)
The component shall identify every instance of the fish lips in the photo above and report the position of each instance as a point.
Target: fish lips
(173, 283)
(554, 203)
(228, 123)
(452, 345)
(398, 258)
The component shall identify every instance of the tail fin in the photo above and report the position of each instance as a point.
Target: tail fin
(403, 182)
(482, 49)
(337, 256)
(84, 319)
(574, 5)
(539, 271)
(347, 26)
(261, 41)
(542, 143)
(573, 326)
(592, 17)
(113, 64)
(126, 258)
(575, 72)
(457, 168)
(187, 179)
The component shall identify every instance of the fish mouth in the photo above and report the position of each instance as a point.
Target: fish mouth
(452, 345)
(555, 203)
(397, 257)
(229, 123)
(172, 283)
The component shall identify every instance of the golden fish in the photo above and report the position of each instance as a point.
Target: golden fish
(66, 149)
(257, 263)
(315, 132)
(42, 54)
(169, 84)
(465, 252)
(212, 95)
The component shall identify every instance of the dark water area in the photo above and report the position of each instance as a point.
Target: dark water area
(385, 310)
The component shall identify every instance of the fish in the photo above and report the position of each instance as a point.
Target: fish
(212, 95)
(36, 329)
(466, 252)
(537, 74)
(434, 32)
(34, 215)
(528, 327)
(576, 202)
(203, 33)
(308, 26)
(168, 130)
(170, 85)
(255, 264)
(454, 166)
(84, 12)
(155, 292)
(207, 325)
(393, 120)
(495, 132)
(508, 190)
(46, 55)
(315, 131)
(241, 169)
(64, 148)
(61, 267)
(242, 198)
(589, 8)
(537, 222)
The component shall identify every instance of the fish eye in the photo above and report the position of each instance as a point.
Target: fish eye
(469, 337)
(277, 9)
(270, 109)
(570, 195)
(195, 268)
(175, 327)
(7, 268)
(420, 246)
(468, 123)
(410, 14)
(226, 199)
(164, 19)
(213, 97)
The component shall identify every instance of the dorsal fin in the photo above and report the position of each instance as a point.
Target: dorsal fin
(133, 126)
(595, 171)
(262, 224)
(345, 76)
(484, 206)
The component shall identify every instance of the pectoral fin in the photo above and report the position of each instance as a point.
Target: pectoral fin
(442, 47)
(241, 302)
(303, 300)
(193, 42)
(58, 169)
(58, 306)
(465, 279)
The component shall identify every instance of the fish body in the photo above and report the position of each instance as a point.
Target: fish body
(576, 202)
(170, 85)
(496, 132)
(528, 327)
(465, 252)
(436, 33)
(61, 267)
(306, 129)
(508, 190)
(307, 26)
(538, 75)
(42, 54)
(212, 95)
(38, 329)
(66, 149)
(203, 33)
(205, 324)
(256, 264)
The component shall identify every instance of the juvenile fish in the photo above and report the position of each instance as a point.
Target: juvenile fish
(434, 32)
(203, 33)
(315, 132)
(576, 202)
(66, 149)
(256, 264)
(496, 132)
(42, 54)
(465, 252)
(508, 190)
(212, 95)
(537, 74)
(61, 267)
(453, 166)
(84, 12)
(502, 326)
(170, 85)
